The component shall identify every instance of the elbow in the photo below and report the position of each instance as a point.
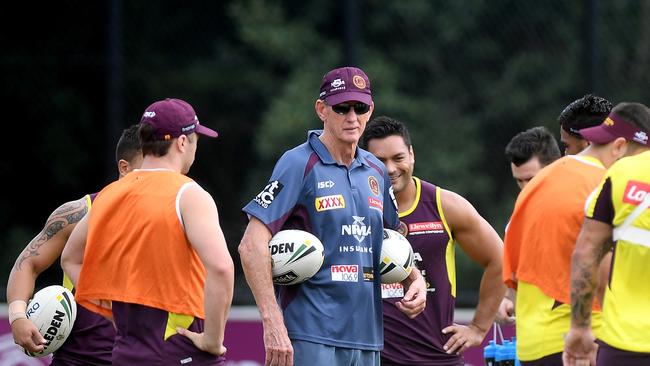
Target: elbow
(223, 269)
(246, 248)
(65, 262)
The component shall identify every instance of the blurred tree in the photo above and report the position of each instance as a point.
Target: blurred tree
(465, 76)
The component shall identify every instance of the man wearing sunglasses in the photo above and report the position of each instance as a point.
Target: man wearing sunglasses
(328, 320)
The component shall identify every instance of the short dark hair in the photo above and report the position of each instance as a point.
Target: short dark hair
(588, 111)
(636, 114)
(128, 145)
(536, 141)
(384, 126)
(150, 144)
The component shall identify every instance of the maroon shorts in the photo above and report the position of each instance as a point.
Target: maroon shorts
(141, 340)
(608, 355)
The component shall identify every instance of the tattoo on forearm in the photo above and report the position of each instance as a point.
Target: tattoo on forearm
(67, 214)
(583, 286)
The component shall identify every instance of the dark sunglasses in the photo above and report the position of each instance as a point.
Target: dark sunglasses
(344, 108)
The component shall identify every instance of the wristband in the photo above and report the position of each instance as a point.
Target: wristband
(17, 310)
(15, 316)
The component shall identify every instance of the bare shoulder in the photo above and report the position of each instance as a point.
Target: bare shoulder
(55, 233)
(194, 197)
(69, 213)
(457, 209)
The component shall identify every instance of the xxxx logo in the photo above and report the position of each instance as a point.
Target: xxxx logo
(326, 203)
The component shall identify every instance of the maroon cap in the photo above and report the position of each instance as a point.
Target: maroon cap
(614, 126)
(345, 84)
(172, 118)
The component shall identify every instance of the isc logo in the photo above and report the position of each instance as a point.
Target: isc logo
(345, 273)
(281, 248)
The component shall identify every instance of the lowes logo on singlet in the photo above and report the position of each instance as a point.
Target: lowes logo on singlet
(358, 229)
(268, 194)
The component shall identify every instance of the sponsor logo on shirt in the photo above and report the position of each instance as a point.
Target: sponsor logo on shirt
(358, 229)
(325, 184)
(375, 203)
(268, 194)
(327, 203)
(345, 272)
(368, 274)
(354, 248)
(428, 227)
(374, 185)
(391, 290)
(635, 192)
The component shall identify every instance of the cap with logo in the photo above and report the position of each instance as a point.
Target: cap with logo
(615, 126)
(345, 84)
(174, 117)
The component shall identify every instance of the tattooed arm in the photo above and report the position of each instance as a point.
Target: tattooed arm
(37, 256)
(593, 243)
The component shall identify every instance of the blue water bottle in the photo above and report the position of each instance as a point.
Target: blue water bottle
(514, 351)
(489, 352)
(502, 354)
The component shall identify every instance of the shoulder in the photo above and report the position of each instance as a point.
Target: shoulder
(297, 156)
(456, 208)
(79, 205)
(366, 157)
(67, 215)
(429, 189)
(192, 195)
(629, 163)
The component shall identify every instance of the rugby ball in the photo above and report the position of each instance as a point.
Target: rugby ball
(296, 256)
(53, 311)
(396, 257)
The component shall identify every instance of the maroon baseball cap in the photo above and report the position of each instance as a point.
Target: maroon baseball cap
(345, 84)
(172, 118)
(615, 126)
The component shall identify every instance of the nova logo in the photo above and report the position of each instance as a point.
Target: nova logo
(345, 273)
(391, 290)
(635, 192)
(266, 197)
(149, 114)
(329, 203)
(358, 229)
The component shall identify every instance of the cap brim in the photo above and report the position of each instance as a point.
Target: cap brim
(597, 134)
(348, 97)
(205, 131)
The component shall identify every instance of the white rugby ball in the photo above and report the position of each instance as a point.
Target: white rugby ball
(53, 311)
(296, 256)
(396, 257)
